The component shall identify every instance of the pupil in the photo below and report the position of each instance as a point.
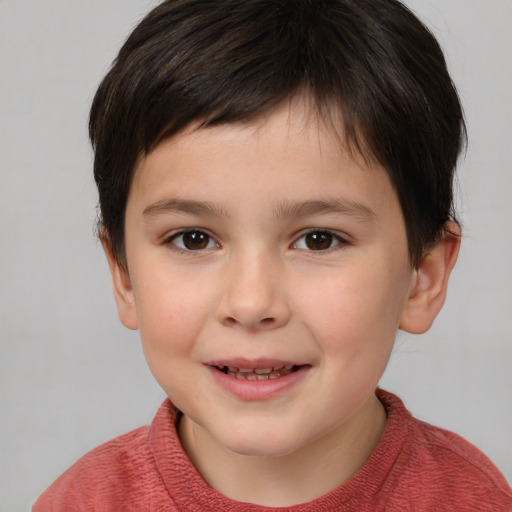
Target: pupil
(318, 240)
(195, 240)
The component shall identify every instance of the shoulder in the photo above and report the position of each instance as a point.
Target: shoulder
(106, 475)
(452, 455)
(468, 479)
(446, 472)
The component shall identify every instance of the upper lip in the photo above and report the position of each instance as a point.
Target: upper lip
(255, 364)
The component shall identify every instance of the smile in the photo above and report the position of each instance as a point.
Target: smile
(257, 379)
(257, 373)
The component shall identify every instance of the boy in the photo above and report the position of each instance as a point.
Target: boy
(275, 182)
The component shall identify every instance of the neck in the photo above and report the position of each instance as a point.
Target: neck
(299, 477)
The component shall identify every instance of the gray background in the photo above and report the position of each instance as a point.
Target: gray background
(72, 376)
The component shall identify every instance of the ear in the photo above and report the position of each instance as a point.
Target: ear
(430, 282)
(123, 292)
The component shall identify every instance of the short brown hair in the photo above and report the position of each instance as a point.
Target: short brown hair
(223, 61)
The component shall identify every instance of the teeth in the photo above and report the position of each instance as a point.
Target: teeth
(257, 373)
(261, 371)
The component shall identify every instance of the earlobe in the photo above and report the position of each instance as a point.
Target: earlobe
(123, 292)
(430, 282)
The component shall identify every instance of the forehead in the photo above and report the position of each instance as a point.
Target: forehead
(290, 153)
(297, 116)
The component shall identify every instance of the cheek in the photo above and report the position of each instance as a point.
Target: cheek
(355, 310)
(171, 314)
(169, 325)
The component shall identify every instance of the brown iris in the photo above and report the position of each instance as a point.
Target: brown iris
(195, 240)
(319, 240)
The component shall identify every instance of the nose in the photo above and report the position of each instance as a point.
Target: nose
(253, 297)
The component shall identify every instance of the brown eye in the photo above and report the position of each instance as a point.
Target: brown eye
(193, 241)
(320, 240)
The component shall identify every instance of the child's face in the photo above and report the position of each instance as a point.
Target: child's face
(293, 255)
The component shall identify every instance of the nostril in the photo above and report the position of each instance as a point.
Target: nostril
(264, 322)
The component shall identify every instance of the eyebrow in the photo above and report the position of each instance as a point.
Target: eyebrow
(185, 206)
(284, 209)
(344, 207)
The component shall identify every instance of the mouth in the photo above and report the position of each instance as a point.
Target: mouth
(257, 379)
(272, 372)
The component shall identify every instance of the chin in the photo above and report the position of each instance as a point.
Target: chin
(261, 444)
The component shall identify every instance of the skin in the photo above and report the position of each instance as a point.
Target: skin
(261, 289)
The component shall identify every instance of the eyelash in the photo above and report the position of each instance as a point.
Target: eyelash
(180, 234)
(211, 243)
(339, 241)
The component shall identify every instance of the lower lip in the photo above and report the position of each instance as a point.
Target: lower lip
(257, 389)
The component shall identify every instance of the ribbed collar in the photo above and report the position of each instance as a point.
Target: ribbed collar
(190, 492)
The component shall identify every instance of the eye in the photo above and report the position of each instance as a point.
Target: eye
(318, 240)
(193, 240)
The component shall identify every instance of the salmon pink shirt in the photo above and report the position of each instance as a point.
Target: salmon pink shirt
(414, 468)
